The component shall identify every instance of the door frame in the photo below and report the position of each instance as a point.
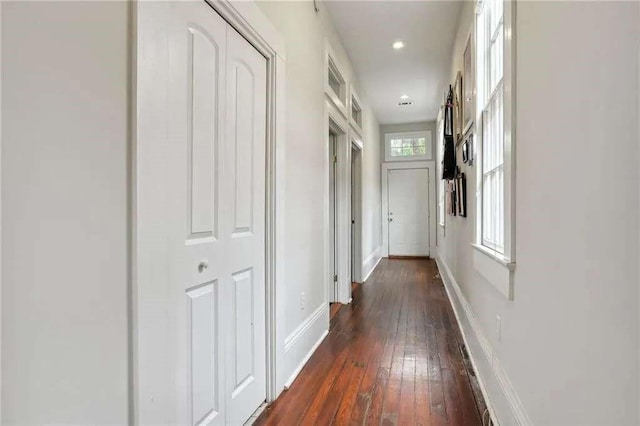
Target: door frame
(337, 123)
(431, 167)
(0, 224)
(355, 198)
(256, 28)
(332, 236)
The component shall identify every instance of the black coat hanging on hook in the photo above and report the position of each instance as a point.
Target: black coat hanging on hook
(449, 157)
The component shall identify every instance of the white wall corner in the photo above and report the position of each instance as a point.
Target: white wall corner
(500, 396)
(300, 345)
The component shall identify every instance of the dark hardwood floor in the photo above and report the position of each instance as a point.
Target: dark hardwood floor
(395, 355)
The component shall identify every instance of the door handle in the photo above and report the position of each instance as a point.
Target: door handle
(202, 266)
(390, 219)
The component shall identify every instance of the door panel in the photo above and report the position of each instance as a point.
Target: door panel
(245, 150)
(243, 331)
(204, 331)
(408, 192)
(192, 185)
(203, 68)
(241, 134)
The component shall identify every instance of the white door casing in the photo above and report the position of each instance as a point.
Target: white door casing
(334, 260)
(430, 166)
(200, 337)
(408, 216)
(355, 195)
(338, 126)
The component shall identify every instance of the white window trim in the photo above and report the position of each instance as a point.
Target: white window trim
(427, 134)
(499, 268)
(354, 99)
(337, 124)
(494, 269)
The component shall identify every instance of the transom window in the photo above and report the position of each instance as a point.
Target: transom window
(336, 82)
(335, 85)
(356, 110)
(408, 146)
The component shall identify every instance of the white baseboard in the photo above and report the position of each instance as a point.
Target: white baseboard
(306, 359)
(500, 396)
(370, 263)
(300, 345)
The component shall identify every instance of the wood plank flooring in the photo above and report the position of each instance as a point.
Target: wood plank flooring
(395, 355)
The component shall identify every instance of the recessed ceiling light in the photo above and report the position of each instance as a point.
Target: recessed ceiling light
(398, 44)
(404, 97)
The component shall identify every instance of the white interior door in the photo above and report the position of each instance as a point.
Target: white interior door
(213, 186)
(197, 225)
(408, 216)
(244, 201)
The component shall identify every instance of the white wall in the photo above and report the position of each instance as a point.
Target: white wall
(304, 32)
(64, 213)
(569, 347)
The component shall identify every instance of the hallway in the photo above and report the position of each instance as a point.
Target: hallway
(393, 356)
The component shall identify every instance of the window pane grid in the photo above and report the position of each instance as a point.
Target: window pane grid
(490, 66)
(496, 60)
(408, 147)
(493, 147)
(493, 209)
(495, 15)
(334, 83)
(480, 61)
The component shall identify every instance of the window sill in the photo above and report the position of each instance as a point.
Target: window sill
(494, 268)
(390, 159)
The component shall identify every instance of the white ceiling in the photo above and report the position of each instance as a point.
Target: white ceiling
(419, 70)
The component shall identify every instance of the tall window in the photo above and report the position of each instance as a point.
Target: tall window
(441, 189)
(490, 68)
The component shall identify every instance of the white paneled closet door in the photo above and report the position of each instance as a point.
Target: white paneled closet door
(244, 200)
(215, 192)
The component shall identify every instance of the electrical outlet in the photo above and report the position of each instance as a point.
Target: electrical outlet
(499, 328)
(302, 301)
